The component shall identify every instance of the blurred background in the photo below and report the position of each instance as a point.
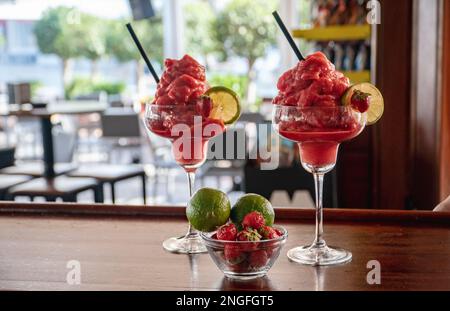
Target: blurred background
(77, 54)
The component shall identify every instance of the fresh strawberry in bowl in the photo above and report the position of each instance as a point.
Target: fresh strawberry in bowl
(248, 253)
(227, 232)
(247, 244)
(254, 220)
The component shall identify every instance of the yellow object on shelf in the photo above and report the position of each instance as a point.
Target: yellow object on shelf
(334, 33)
(357, 76)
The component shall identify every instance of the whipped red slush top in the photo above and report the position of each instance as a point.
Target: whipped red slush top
(316, 87)
(179, 100)
(314, 82)
(183, 82)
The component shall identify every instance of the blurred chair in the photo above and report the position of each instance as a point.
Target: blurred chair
(227, 162)
(64, 146)
(161, 164)
(6, 156)
(103, 173)
(63, 187)
(36, 169)
(246, 127)
(66, 188)
(121, 131)
(9, 181)
(291, 180)
(27, 130)
(112, 174)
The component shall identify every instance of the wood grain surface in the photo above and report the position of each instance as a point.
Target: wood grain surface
(119, 248)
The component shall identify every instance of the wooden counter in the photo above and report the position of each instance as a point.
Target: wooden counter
(119, 248)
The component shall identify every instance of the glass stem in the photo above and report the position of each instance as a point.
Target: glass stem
(319, 242)
(191, 180)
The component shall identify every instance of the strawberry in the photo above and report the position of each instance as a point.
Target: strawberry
(360, 101)
(269, 233)
(254, 220)
(227, 232)
(280, 233)
(271, 248)
(233, 254)
(249, 234)
(258, 259)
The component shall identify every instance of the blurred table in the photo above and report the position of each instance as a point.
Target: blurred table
(45, 114)
(119, 248)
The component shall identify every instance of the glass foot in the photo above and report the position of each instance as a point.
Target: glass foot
(185, 245)
(319, 256)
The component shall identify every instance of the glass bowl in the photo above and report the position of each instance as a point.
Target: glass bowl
(244, 260)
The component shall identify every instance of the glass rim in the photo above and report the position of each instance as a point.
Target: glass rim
(168, 106)
(205, 236)
(316, 108)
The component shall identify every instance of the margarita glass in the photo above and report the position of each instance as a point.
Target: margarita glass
(189, 133)
(318, 131)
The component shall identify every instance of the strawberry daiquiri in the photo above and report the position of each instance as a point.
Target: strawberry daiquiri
(188, 112)
(317, 108)
(315, 88)
(183, 112)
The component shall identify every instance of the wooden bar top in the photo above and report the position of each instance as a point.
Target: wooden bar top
(119, 248)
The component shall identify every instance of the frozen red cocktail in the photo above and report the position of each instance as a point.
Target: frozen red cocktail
(181, 112)
(312, 113)
(188, 112)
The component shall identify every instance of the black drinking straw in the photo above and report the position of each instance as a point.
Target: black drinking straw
(288, 36)
(141, 50)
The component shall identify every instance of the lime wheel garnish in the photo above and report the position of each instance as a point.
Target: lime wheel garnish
(376, 107)
(225, 104)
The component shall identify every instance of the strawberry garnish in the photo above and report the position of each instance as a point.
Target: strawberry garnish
(360, 101)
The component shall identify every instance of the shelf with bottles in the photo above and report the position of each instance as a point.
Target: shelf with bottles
(340, 30)
(334, 33)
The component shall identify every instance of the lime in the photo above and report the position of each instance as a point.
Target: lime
(208, 209)
(225, 104)
(249, 203)
(376, 107)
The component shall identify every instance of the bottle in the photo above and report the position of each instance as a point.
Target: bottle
(350, 55)
(339, 55)
(362, 58)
